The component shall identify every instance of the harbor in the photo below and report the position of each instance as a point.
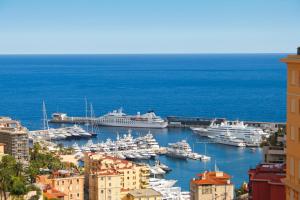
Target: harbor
(149, 139)
(234, 160)
(185, 106)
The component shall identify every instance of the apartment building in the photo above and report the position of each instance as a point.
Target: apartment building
(275, 153)
(15, 138)
(111, 178)
(1, 150)
(292, 180)
(212, 185)
(63, 184)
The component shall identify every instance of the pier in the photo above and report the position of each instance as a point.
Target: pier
(173, 121)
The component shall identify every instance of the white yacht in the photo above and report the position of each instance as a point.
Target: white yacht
(228, 139)
(120, 119)
(161, 183)
(252, 136)
(180, 150)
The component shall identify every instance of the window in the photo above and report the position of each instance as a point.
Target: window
(77, 194)
(292, 166)
(206, 189)
(109, 178)
(109, 184)
(291, 194)
(292, 133)
(293, 105)
(293, 77)
(102, 191)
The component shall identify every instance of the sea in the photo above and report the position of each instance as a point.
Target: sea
(232, 86)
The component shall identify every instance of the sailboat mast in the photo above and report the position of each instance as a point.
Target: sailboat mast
(45, 118)
(86, 108)
(92, 115)
(86, 113)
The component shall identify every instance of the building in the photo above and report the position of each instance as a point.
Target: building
(112, 178)
(212, 185)
(275, 153)
(15, 138)
(266, 182)
(62, 185)
(1, 150)
(143, 194)
(292, 180)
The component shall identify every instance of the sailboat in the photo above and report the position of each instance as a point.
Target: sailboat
(92, 132)
(205, 157)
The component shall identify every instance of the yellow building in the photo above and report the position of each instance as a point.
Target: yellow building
(143, 194)
(62, 182)
(212, 185)
(293, 127)
(112, 178)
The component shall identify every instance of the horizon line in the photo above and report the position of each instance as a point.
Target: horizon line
(228, 53)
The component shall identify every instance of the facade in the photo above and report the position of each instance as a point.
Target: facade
(266, 182)
(15, 138)
(292, 180)
(212, 185)
(1, 150)
(62, 184)
(143, 194)
(275, 153)
(112, 178)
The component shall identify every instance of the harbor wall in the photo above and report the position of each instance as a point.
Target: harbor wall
(177, 122)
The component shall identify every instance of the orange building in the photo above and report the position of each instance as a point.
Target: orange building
(212, 185)
(62, 185)
(108, 177)
(292, 180)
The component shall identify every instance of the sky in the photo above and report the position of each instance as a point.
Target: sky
(149, 26)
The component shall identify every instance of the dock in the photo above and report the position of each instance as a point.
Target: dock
(173, 121)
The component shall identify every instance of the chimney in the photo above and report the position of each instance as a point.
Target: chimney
(298, 51)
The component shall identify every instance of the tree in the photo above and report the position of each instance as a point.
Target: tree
(18, 187)
(12, 178)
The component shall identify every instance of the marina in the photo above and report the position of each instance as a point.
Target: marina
(240, 158)
(182, 89)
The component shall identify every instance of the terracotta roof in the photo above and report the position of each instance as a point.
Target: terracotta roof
(212, 178)
(53, 194)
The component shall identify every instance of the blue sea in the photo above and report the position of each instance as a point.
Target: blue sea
(234, 86)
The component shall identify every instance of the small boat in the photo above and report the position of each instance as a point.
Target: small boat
(162, 166)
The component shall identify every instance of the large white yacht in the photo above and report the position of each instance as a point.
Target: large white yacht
(250, 135)
(118, 118)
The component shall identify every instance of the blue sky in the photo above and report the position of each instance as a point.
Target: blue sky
(149, 26)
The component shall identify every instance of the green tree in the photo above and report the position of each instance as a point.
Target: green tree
(12, 177)
(18, 187)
